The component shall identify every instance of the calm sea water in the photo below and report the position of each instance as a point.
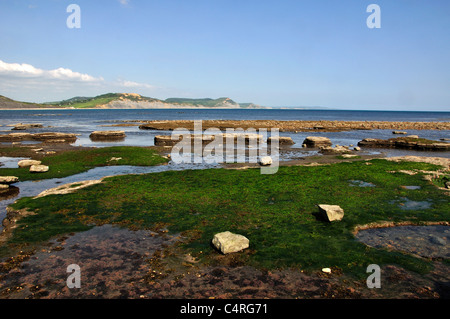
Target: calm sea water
(75, 116)
(83, 122)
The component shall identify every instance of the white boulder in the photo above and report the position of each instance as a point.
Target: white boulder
(331, 212)
(227, 242)
(265, 161)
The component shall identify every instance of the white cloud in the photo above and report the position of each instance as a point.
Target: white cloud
(27, 70)
(124, 2)
(26, 82)
(131, 84)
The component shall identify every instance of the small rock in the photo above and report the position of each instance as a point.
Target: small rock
(399, 132)
(326, 270)
(413, 136)
(331, 212)
(227, 242)
(265, 161)
(357, 148)
(38, 168)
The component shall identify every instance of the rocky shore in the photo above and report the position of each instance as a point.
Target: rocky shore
(295, 126)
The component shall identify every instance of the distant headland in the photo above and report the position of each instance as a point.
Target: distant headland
(128, 101)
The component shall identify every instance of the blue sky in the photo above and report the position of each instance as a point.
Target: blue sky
(273, 53)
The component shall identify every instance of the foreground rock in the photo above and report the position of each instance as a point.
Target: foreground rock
(107, 135)
(227, 242)
(317, 141)
(408, 142)
(331, 212)
(38, 168)
(27, 163)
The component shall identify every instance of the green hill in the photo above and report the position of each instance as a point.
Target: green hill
(7, 103)
(125, 101)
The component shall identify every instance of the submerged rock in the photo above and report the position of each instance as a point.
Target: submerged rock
(281, 140)
(227, 242)
(331, 212)
(19, 127)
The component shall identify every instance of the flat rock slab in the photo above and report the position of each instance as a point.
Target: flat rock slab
(38, 168)
(26, 163)
(316, 141)
(68, 188)
(227, 242)
(331, 212)
(106, 135)
(8, 180)
(408, 142)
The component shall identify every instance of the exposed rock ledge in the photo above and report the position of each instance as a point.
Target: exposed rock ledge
(442, 161)
(68, 188)
(406, 143)
(43, 137)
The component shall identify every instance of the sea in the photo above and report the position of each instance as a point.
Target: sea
(84, 121)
